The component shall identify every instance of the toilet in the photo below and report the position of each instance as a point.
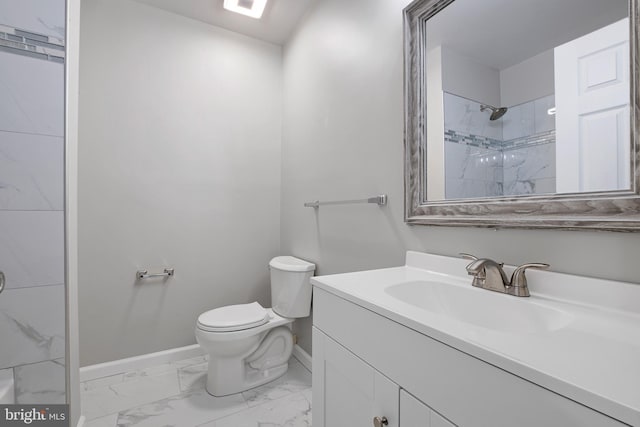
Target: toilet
(249, 345)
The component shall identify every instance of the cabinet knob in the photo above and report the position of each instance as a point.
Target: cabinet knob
(379, 422)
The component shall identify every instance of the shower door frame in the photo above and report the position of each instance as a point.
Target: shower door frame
(71, 73)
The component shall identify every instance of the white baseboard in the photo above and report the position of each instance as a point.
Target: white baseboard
(106, 369)
(139, 362)
(81, 421)
(303, 357)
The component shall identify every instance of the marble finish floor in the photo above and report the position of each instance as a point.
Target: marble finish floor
(174, 394)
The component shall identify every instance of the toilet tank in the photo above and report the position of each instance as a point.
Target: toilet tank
(290, 286)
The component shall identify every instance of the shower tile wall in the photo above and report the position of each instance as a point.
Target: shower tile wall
(471, 169)
(529, 148)
(32, 315)
(511, 156)
(530, 167)
(464, 115)
(473, 161)
(528, 119)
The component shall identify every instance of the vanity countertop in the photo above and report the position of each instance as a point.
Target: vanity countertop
(592, 356)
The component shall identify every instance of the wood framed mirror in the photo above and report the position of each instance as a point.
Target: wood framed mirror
(522, 114)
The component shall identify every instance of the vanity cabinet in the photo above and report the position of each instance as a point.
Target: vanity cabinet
(414, 413)
(350, 392)
(366, 365)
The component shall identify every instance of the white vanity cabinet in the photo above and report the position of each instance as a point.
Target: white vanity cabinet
(351, 393)
(366, 365)
(414, 413)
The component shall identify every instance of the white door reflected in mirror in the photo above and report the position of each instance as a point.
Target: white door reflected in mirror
(592, 118)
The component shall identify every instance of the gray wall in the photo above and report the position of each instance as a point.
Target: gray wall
(531, 79)
(343, 138)
(463, 76)
(179, 166)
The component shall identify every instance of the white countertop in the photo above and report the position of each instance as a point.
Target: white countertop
(594, 359)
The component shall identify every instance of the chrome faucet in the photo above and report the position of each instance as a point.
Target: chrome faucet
(488, 274)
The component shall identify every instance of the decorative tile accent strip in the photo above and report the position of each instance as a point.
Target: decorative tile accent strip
(548, 137)
(495, 144)
(471, 139)
(13, 40)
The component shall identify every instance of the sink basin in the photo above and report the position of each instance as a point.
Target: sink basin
(480, 307)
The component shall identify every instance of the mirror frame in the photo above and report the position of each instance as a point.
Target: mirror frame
(607, 211)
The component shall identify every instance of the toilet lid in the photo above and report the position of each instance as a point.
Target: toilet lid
(233, 318)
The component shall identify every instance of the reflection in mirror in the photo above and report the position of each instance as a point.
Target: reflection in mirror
(532, 97)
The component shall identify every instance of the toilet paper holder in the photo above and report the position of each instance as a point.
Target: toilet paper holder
(144, 274)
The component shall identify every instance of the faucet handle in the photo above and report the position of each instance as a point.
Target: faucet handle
(468, 256)
(519, 280)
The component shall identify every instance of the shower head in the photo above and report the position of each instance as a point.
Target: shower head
(496, 113)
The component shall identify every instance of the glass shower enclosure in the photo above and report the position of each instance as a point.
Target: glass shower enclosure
(32, 253)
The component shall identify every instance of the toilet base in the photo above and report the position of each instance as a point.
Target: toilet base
(253, 380)
(266, 361)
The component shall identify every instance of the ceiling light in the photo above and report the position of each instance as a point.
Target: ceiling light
(252, 8)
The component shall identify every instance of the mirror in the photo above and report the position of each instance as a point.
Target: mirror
(519, 114)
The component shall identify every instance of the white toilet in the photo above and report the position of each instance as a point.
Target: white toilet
(249, 345)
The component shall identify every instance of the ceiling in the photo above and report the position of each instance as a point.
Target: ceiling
(502, 33)
(276, 25)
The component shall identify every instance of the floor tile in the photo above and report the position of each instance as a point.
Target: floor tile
(290, 411)
(163, 368)
(307, 393)
(101, 382)
(193, 377)
(41, 383)
(107, 400)
(108, 421)
(187, 409)
(183, 402)
(295, 380)
(190, 362)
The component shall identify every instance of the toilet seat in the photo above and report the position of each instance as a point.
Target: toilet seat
(233, 318)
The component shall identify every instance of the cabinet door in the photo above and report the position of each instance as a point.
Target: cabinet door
(414, 413)
(347, 392)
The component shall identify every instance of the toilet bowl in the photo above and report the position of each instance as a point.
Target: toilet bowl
(249, 345)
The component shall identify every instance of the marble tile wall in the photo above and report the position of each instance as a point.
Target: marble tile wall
(39, 16)
(32, 99)
(511, 156)
(32, 316)
(530, 169)
(7, 389)
(528, 119)
(464, 115)
(471, 171)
